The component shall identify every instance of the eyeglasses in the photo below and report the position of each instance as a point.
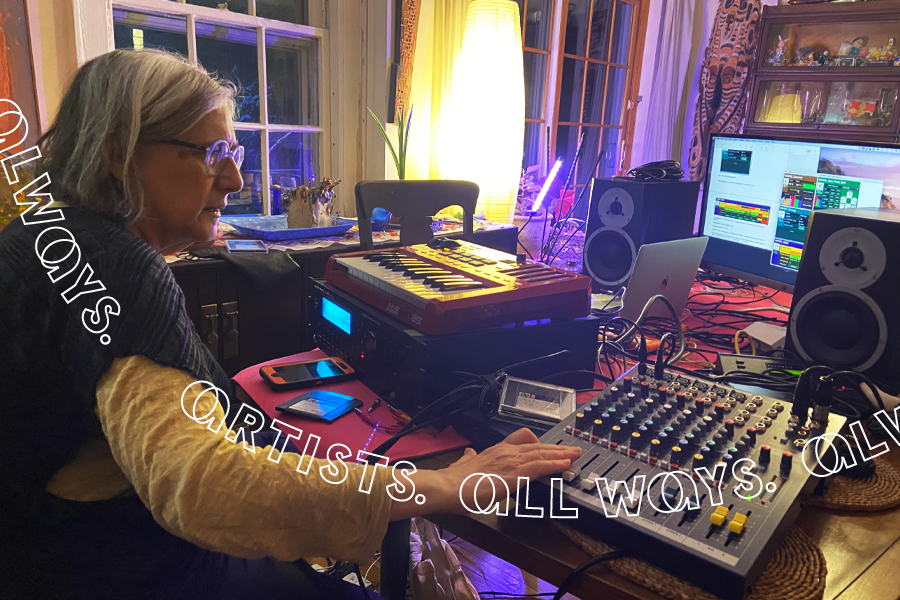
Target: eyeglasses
(216, 153)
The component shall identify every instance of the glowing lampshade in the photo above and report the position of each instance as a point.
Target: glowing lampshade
(484, 142)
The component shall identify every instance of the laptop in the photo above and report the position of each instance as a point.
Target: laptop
(667, 268)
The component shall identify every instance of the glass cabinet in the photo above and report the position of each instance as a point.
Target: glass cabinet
(828, 71)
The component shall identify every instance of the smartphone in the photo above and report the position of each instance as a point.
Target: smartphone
(320, 405)
(246, 246)
(308, 373)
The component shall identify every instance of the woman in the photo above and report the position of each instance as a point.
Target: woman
(114, 492)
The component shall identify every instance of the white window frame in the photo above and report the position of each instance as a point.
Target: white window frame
(92, 40)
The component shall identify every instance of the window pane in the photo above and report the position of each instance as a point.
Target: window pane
(566, 146)
(238, 6)
(588, 155)
(230, 52)
(537, 23)
(609, 164)
(570, 92)
(615, 95)
(577, 27)
(293, 160)
(622, 33)
(535, 84)
(593, 93)
(249, 199)
(291, 11)
(293, 79)
(146, 30)
(599, 45)
(534, 144)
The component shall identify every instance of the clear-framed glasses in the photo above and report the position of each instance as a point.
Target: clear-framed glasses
(216, 154)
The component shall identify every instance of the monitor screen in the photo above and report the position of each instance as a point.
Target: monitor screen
(760, 191)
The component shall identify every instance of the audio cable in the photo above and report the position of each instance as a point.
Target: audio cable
(662, 170)
(580, 569)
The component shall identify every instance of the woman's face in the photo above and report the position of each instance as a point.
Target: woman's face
(182, 201)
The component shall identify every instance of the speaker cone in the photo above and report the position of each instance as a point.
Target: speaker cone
(839, 327)
(852, 257)
(609, 256)
(615, 207)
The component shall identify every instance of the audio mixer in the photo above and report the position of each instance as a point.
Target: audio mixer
(642, 427)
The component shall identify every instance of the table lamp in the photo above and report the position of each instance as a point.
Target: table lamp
(485, 139)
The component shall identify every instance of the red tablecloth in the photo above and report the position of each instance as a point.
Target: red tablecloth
(350, 429)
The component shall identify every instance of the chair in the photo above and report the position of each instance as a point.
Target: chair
(414, 202)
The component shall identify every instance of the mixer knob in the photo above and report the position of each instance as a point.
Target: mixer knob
(765, 455)
(623, 425)
(787, 460)
(690, 439)
(637, 441)
(740, 449)
(706, 424)
(696, 431)
(632, 422)
(663, 440)
(649, 405)
(618, 434)
(675, 459)
(614, 393)
(656, 448)
(688, 415)
(589, 415)
(729, 428)
(627, 383)
(668, 410)
(708, 404)
(670, 431)
(661, 392)
(648, 424)
(630, 399)
(579, 420)
(729, 462)
(645, 389)
(720, 411)
(680, 399)
(699, 460)
(751, 434)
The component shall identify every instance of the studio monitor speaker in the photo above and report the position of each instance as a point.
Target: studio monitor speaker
(626, 214)
(845, 312)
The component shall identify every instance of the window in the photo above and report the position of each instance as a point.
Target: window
(581, 85)
(281, 130)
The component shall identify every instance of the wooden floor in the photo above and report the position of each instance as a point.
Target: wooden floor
(486, 572)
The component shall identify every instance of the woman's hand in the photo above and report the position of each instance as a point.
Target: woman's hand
(519, 455)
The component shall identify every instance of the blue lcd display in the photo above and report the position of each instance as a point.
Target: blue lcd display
(336, 315)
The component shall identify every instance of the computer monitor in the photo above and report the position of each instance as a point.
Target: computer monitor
(759, 192)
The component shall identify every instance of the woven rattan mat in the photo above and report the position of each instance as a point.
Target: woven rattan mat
(881, 491)
(796, 572)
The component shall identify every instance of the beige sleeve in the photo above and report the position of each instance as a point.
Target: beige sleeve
(218, 495)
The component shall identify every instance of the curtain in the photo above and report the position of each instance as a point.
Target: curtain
(724, 78)
(439, 40)
(664, 130)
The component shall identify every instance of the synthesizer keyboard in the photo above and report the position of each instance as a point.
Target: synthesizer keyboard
(640, 428)
(442, 290)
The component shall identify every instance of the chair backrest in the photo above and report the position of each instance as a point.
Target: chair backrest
(414, 202)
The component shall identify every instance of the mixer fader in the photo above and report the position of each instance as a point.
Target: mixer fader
(705, 479)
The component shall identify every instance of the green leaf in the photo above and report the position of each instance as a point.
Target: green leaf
(388, 142)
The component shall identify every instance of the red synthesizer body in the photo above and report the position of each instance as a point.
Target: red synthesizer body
(444, 290)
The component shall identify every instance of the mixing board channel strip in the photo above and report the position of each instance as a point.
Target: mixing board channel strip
(650, 446)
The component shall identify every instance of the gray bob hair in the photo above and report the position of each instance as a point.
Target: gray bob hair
(115, 102)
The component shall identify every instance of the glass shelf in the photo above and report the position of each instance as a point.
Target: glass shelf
(835, 103)
(837, 44)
